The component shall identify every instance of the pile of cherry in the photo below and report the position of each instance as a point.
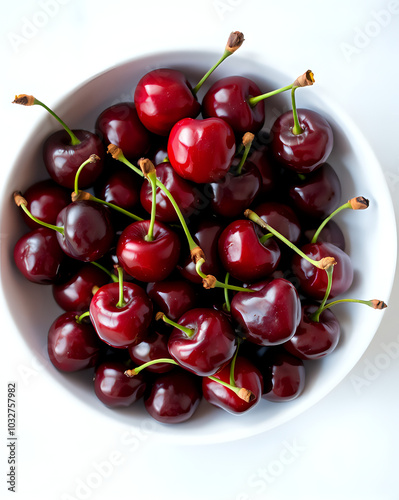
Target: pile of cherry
(207, 275)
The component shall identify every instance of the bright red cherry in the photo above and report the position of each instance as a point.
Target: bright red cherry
(201, 150)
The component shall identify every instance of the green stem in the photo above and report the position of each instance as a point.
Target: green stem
(111, 275)
(60, 229)
(296, 129)
(253, 101)
(74, 140)
(152, 177)
(358, 301)
(115, 207)
(317, 233)
(226, 293)
(126, 162)
(316, 315)
(137, 370)
(82, 316)
(233, 365)
(218, 284)
(265, 237)
(121, 302)
(188, 331)
(76, 184)
(244, 158)
(225, 55)
(233, 388)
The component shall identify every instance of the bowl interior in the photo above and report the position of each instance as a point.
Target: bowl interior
(368, 234)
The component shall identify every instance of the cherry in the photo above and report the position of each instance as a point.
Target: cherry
(45, 199)
(121, 313)
(282, 218)
(174, 397)
(77, 292)
(153, 347)
(243, 255)
(263, 161)
(72, 344)
(270, 315)
(283, 375)
(201, 150)
(314, 339)
(246, 375)
(119, 187)
(313, 281)
(202, 342)
(331, 233)
(114, 389)
(148, 260)
(120, 125)
(319, 193)
(173, 298)
(39, 257)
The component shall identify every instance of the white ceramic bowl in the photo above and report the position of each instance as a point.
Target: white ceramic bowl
(370, 236)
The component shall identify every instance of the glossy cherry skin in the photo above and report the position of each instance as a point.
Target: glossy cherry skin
(243, 255)
(39, 257)
(211, 346)
(269, 316)
(283, 376)
(228, 99)
(201, 150)
(319, 194)
(88, 232)
(77, 292)
(313, 281)
(246, 376)
(186, 195)
(121, 326)
(304, 152)
(120, 125)
(207, 236)
(148, 260)
(62, 160)
(154, 346)
(173, 298)
(280, 217)
(174, 397)
(263, 161)
(235, 192)
(114, 388)
(120, 187)
(314, 339)
(162, 98)
(331, 233)
(45, 200)
(72, 346)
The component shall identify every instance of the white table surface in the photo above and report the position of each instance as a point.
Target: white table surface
(346, 445)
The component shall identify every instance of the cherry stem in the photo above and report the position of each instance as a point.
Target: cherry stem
(226, 293)
(225, 55)
(247, 143)
(316, 315)
(219, 284)
(188, 331)
(321, 264)
(137, 370)
(242, 393)
(74, 140)
(111, 275)
(375, 304)
(233, 364)
(253, 101)
(115, 207)
(296, 129)
(82, 316)
(91, 159)
(20, 201)
(265, 237)
(152, 177)
(121, 302)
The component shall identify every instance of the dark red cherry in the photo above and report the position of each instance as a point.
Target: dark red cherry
(88, 233)
(304, 152)
(263, 161)
(210, 345)
(228, 99)
(121, 326)
(269, 316)
(319, 194)
(162, 98)
(201, 150)
(314, 339)
(148, 260)
(114, 388)
(331, 233)
(120, 125)
(173, 298)
(186, 195)
(77, 292)
(154, 346)
(45, 199)
(39, 257)
(71, 345)
(62, 159)
(280, 217)
(235, 192)
(243, 255)
(174, 397)
(120, 187)
(246, 376)
(283, 376)
(313, 281)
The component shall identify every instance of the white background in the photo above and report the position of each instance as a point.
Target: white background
(346, 446)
